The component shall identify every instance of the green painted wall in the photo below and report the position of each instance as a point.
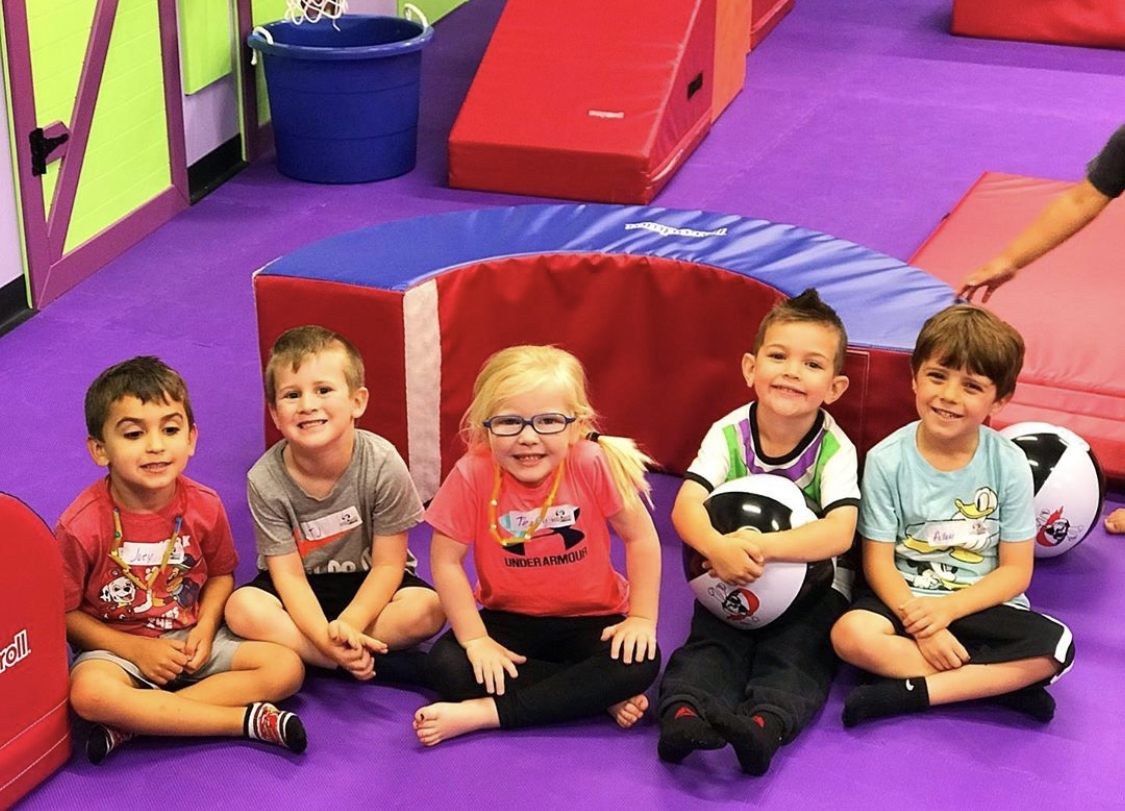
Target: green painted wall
(433, 9)
(262, 12)
(126, 162)
(205, 31)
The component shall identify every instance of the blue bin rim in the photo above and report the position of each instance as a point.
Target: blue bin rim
(386, 49)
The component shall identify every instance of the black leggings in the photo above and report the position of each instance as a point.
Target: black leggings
(568, 673)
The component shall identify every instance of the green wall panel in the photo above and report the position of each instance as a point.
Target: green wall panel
(433, 9)
(205, 32)
(262, 12)
(58, 31)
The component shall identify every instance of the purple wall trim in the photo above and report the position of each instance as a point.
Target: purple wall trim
(54, 131)
(23, 121)
(252, 140)
(173, 96)
(62, 206)
(110, 243)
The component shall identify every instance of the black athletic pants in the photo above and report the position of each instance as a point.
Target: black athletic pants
(785, 668)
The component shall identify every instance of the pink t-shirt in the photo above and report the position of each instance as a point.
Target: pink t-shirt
(564, 570)
(96, 583)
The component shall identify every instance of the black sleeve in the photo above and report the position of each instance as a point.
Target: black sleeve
(1106, 172)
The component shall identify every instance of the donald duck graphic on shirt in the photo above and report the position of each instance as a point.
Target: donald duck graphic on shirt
(941, 553)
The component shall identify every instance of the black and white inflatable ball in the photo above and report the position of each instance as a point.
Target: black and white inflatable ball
(763, 503)
(1069, 484)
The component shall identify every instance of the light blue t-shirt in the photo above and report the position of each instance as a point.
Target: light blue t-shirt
(947, 526)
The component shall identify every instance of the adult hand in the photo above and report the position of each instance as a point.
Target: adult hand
(992, 275)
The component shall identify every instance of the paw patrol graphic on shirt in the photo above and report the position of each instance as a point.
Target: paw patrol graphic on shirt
(119, 592)
(945, 554)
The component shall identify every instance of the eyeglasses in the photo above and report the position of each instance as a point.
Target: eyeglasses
(512, 424)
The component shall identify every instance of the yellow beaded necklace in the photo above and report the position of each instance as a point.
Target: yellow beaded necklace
(519, 537)
(119, 539)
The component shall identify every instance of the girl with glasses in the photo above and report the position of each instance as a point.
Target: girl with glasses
(561, 634)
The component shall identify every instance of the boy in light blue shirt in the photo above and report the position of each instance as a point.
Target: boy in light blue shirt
(947, 522)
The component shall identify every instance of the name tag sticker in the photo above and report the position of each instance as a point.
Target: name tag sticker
(334, 524)
(944, 534)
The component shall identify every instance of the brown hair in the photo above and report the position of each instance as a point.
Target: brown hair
(807, 307)
(294, 345)
(147, 378)
(965, 336)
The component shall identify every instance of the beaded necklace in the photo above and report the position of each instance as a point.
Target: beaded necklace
(519, 537)
(119, 539)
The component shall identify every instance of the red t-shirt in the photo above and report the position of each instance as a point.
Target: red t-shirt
(96, 583)
(564, 570)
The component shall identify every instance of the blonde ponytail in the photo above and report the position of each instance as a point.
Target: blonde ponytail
(628, 465)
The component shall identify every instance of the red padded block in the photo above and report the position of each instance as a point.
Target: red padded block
(369, 317)
(34, 732)
(1100, 23)
(662, 367)
(1066, 305)
(732, 20)
(587, 100)
(764, 17)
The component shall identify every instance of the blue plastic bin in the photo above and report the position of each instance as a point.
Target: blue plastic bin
(344, 102)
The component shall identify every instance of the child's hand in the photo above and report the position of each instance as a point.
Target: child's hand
(352, 649)
(737, 559)
(197, 647)
(160, 660)
(925, 616)
(633, 638)
(357, 661)
(342, 632)
(942, 650)
(490, 660)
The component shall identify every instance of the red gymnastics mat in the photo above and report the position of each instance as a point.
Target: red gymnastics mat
(1067, 305)
(587, 99)
(1098, 23)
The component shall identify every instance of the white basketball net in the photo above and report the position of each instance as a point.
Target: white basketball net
(299, 11)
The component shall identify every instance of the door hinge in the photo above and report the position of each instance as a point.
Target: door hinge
(42, 145)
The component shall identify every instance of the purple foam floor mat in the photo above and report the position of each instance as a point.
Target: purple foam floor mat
(864, 119)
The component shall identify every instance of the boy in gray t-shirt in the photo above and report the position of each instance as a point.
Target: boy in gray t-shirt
(332, 506)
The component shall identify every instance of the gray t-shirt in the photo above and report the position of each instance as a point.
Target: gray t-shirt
(374, 497)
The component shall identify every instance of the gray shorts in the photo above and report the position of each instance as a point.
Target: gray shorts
(220, 661)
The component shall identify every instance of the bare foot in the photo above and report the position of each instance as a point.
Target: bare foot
(435, 723)
(628, 712)
(1115, 523)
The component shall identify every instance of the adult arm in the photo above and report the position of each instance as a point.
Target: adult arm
(1066, 215)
